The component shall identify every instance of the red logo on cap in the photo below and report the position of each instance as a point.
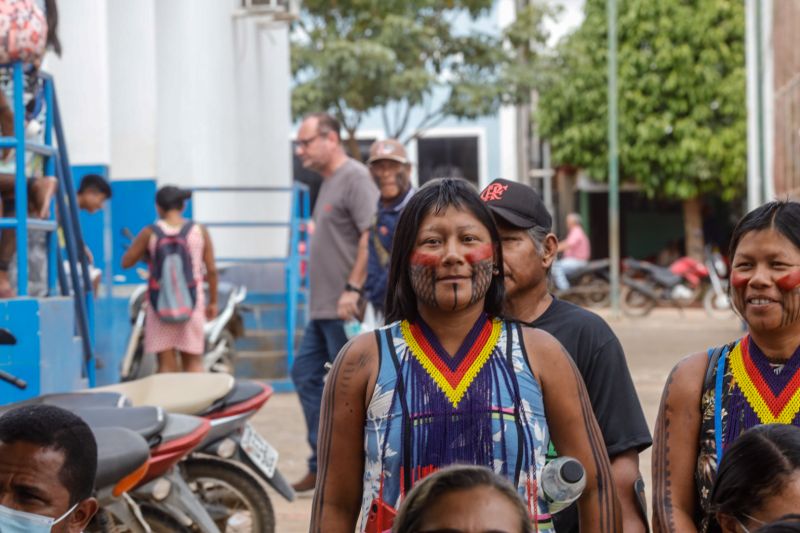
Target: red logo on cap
(494, 191)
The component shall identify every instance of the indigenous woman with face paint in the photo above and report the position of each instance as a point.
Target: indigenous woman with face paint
(712, 397)
(448, 381)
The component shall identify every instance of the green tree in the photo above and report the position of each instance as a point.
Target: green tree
(351, 57)
(682, 113)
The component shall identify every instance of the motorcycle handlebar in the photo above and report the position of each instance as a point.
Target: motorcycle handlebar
(19, 383)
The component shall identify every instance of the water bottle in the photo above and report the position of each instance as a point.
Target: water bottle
(352, 328)
(563, 480)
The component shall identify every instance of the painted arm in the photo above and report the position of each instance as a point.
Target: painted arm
(138, 249)
(676, 446)
(211, 274)
(574, 429)
(337, 499)
(625, 471)
(348, 302)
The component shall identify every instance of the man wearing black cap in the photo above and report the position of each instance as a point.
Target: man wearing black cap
(529, 249)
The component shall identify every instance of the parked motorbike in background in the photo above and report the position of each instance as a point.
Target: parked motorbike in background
(716, 300)
(221, 332)
(589, 286)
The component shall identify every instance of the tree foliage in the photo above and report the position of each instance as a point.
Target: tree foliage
(681, 79)
(350, 57)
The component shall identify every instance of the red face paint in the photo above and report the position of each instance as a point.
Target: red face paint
(423, 259)
(739, 281)
(790, 281)
(480, 253)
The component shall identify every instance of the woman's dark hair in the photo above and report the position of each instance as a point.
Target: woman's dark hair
(757, 465)
(435, 197)
(782, 216)
(452, 479)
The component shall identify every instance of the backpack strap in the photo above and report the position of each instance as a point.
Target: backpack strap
(407, 423)
(184, 233)
(715, 374)
(157, 231)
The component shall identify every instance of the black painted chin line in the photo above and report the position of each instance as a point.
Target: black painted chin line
(455, 296)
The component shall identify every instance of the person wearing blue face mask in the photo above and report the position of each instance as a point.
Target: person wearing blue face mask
(48, 462)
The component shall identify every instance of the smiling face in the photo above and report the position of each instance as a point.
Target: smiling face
(765, 281)
(452, 264)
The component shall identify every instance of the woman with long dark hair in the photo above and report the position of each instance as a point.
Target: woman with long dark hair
(713, 396)
(447, 381)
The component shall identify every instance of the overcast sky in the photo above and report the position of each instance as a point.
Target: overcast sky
(570, 18)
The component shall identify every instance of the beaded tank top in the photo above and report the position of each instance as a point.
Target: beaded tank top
(743, 389)
(482, 406)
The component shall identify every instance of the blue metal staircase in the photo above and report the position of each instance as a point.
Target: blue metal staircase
(78, 287)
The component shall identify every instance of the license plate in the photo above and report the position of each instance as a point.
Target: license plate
(259, 450)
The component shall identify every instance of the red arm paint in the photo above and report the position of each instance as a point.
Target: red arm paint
(790, 281)
(738, 280)
(480, 253)
(423, 259)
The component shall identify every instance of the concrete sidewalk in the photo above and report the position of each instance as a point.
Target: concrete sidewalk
(653, 345)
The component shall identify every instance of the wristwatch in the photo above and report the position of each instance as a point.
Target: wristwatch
(349, 287)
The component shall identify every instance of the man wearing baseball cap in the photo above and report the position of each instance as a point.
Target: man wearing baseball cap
(390, 168)
(529, 249)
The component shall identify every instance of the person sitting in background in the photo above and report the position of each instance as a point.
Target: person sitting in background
(758, 480)
(464, 499)
(576, 252)
(48, 462)
(391, 170)
(164, 335)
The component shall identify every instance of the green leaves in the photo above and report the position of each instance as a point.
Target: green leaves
(681, 79)
(353, 56)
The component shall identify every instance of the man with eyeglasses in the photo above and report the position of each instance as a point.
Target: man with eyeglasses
(342, 217)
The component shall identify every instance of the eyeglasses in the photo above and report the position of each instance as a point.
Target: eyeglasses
(303, 143)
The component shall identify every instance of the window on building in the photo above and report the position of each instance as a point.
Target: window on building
(441, 157)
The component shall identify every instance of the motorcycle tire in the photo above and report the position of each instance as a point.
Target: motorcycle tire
(597, 294)
(718, 306)
(635, 303)
(234, 497)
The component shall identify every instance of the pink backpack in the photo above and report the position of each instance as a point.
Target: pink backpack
(23, 32)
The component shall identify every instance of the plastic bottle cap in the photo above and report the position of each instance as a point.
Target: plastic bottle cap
(572, 471)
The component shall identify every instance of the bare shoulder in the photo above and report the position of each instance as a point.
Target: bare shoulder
(685, 381)
(357, 364)
(541, 343)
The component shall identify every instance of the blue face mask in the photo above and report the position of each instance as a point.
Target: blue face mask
(13, 521)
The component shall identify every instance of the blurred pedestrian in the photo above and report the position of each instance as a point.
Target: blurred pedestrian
(463, 498)
(575, 249)
(529, 249)
(758, 480)
(177, 311)
(448, 381)
(713, 396)
(337, 263)
(390, 168)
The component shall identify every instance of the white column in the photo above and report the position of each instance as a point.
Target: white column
(509, 143)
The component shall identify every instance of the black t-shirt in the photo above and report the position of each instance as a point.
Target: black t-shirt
(601, 361)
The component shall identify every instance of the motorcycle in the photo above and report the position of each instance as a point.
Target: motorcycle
(646, 285)
(220, 332)
(716, 301)
(589, 286)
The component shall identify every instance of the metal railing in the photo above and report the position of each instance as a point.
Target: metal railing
(56, 163)
(295, 280)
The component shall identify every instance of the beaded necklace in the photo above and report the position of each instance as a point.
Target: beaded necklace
(454, 374)
(758, 385)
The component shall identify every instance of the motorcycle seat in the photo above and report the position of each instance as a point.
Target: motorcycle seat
(242, 391)
(120, 452)
(77, 400)
(179, 426)
(147, 421)
(186, 393)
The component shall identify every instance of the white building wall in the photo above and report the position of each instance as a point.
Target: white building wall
(132, 82)
(81, 77)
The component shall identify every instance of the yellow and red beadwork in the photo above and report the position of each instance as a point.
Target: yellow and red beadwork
(453, 383)
(771, 409)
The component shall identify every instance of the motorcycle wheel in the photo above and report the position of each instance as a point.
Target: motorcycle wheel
(232, 495)
(717, 305)
(598, 293)
(636, 303)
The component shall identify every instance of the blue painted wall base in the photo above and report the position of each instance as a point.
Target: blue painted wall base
(48, 355)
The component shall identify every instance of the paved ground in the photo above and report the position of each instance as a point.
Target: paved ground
(653, 345)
